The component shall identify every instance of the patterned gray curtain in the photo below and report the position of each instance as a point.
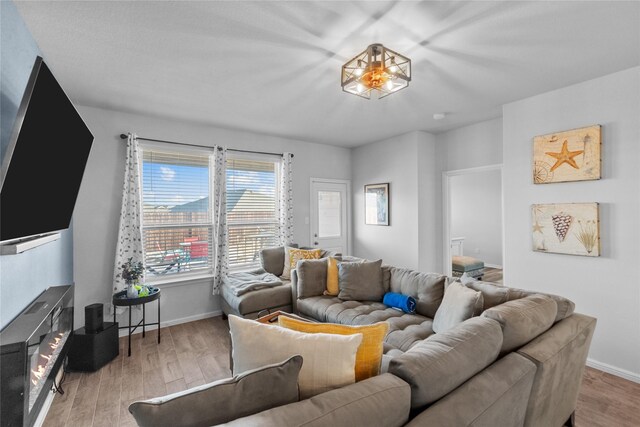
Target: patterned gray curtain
(218, 166)
(285, 206)
(129, 243)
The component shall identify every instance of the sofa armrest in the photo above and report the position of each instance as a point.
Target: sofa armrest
(560, 355)
(497, 396)
(378, 401)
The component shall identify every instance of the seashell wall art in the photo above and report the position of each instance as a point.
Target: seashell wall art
(566, 228)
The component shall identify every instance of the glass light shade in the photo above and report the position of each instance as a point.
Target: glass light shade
(376, 69)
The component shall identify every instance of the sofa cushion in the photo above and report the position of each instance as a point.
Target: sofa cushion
(426, 288)
(329, 360)
(495, 294)
(378, 401)
(223, 400)
(272, 260)
(496, 397)
(459, 304)
(523, 319)
(259, 299)
(565, 306)
(492, 293)
(405, 330)
(312, 277)
(442, 362)
(360, 281)
(369, 354)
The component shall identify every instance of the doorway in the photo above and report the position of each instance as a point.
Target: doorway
(330, 214)
(473, 223)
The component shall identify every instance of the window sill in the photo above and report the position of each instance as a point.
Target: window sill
(180, 280)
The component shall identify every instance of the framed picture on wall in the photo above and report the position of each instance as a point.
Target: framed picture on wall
(376, 204)
(572, 155)
(566, 228)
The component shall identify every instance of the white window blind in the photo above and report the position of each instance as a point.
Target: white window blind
(252, 214)
(176, 217)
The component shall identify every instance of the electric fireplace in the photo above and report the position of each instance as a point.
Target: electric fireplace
(33, 347)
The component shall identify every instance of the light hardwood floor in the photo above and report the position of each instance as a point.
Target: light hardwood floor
(492, 275)
(198, 352)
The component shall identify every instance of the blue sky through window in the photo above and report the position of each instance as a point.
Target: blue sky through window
(173, 185)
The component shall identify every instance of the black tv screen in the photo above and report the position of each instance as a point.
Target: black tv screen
(44, 162)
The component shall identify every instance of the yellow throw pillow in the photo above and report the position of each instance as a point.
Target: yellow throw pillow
(332, 277)
(296, 255)
(369, 354)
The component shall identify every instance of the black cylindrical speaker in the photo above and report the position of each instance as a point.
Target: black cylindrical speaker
(93, 318)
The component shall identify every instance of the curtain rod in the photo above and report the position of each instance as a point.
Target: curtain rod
(125, 136)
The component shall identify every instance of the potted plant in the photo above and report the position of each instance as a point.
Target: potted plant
(131, 273)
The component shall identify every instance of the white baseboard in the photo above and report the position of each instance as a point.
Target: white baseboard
(173, 322)
(622, 373)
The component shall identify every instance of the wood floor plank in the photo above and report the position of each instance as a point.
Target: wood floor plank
(170, 366)
(176, 386)
(190, 369)
(107, 411)
(126, 419)
(61, 406)
(84, 403)
(102, 398)
(153, 383)
(211, 368)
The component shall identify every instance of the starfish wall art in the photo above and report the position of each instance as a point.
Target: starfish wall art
(572, 155)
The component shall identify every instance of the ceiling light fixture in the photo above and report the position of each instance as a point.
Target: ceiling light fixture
(376, 69)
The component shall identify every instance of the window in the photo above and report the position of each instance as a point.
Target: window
(176, 214)
(252, 209)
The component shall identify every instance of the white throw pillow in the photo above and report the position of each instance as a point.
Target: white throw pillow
(328, 360)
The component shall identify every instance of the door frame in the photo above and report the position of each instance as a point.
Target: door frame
(312, 181)
(446, 210)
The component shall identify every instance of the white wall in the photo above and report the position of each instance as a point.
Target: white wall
(97, 211)
(607, 287)
(479, 144)
(407, 163)
(476, 214)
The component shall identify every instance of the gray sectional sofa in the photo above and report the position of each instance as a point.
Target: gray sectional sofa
(263, 301)
(518, 361)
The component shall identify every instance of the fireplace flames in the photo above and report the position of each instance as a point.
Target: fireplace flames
(45, 364)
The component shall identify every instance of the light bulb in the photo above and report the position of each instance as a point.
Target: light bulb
(358, 72)
(360, 88)
(393, 69)
(389, 85)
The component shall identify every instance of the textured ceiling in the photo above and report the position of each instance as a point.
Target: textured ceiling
(274, 67)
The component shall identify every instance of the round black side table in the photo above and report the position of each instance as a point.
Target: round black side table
(120, 300)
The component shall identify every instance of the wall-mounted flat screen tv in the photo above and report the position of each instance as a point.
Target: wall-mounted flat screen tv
(44, 162)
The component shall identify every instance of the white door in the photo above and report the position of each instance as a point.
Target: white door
(329, 215)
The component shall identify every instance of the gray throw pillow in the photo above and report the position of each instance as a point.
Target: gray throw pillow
(523, 319)
(272, 259)
(312, 277)
(360, 281)
(225, 400)
(459, 304)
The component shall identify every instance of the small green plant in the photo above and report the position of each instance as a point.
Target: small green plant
(132, 270)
